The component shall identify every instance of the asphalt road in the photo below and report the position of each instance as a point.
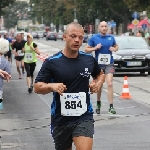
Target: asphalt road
(25, 119)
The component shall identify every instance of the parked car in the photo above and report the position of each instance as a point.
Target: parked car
(40, 34)
(44, 34)
(51, 36)
(133, 55)
(35, 35)
(60, 35)
(85, 39)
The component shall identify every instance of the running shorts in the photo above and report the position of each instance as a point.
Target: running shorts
(63, 135)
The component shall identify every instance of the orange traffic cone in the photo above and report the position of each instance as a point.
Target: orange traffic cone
(125, 90)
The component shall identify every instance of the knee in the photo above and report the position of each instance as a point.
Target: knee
(17, 67)
(110, 84)
(28, 74)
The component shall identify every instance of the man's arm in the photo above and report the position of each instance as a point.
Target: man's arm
(44, 88)
(116, 47)
(97, 83)
(90, 49)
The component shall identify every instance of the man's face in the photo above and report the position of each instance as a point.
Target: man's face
(103, 28)
(5, 36)
(18, 37)
(74, 38)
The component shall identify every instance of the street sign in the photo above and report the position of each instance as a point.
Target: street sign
(135, 15)
(111, 24)
(135, 22)
(144, 26)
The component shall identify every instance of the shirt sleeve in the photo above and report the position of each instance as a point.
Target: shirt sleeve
(8, 68)
(91, 42)
(45, 73)
(96, 69)
(34, 45)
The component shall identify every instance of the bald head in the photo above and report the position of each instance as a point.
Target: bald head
(18, 37)
(103, 27)
(73, 25)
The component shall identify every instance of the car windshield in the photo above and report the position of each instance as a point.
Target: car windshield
(131, 43)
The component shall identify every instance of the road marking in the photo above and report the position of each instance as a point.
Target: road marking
(112, 115)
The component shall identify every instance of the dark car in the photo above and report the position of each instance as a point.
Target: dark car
(44, 34)
(85, 38)
(133, 55)
(51, 36)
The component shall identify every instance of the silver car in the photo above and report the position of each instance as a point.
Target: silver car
(133, 55)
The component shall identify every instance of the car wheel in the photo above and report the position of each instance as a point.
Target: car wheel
(148, 72)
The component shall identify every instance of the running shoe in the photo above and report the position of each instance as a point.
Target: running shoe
(98, 109)
(31, 87)
(1, 103)
(111, 111)
(29, 90)
(23, 72)
(20, 77)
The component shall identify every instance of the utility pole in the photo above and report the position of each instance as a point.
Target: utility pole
(75, 12)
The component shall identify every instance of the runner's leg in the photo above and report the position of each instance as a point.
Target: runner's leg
(32, 69)
(83, 135)
(28, 79)
(18, 69)
(22, 64)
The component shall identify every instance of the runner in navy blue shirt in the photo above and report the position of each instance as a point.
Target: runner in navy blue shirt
(67, 75)
(104, 44)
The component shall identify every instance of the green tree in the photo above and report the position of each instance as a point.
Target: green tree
(17, 11)
(3, 4)
(138, 5)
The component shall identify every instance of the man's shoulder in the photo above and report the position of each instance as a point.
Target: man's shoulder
(55, 56)
(85, 54)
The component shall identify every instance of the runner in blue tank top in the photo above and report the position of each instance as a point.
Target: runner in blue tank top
(104, 44)
(67, 75)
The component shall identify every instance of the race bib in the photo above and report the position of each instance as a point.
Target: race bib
(20, 53)
(73, 104)
(29, 56)
(104, 59)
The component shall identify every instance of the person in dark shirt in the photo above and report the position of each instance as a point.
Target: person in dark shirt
(19, 55)
(67, 75)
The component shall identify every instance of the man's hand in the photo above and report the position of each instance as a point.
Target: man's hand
(5, 75)
(112, 49)
(58, 87)
(98, 46)
(16, 54)
(93, 87)
(97, 83)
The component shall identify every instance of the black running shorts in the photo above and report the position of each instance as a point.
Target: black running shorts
(63, 135)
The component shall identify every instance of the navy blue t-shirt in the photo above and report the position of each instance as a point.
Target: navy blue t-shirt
(75, 74)
(106, 40)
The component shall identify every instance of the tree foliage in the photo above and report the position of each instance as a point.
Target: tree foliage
(138, 5)
(18, 10)
(4, 3)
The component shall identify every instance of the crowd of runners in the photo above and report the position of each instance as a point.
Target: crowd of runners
(67, 74)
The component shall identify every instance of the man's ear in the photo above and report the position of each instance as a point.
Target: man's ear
(64, 37)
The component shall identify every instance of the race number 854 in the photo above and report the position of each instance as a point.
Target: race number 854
(73, 104)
